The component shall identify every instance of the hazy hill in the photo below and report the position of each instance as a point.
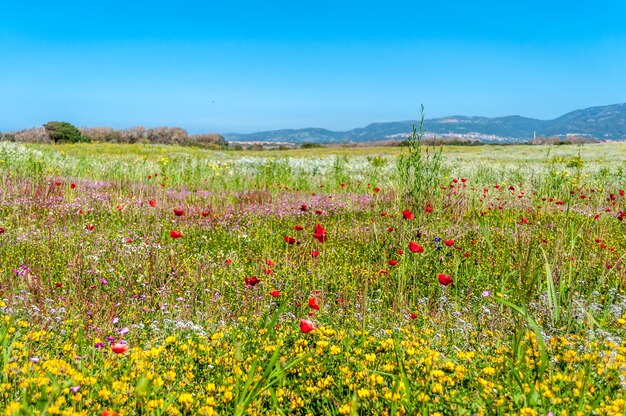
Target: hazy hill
(606, 122)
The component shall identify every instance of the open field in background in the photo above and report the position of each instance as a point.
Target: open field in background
(146, 279)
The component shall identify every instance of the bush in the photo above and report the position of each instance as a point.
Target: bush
(63, 132)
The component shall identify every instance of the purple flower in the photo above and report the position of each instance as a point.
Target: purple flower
(110, 339)
(486, 293)
(124, 331)
(437, 239)
(98, 345)
(104, 281)
(116, 320)
(34, 359)
(74, 389)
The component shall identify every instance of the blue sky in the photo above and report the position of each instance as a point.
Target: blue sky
(248, 66)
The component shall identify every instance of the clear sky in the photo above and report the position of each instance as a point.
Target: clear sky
(243, 66)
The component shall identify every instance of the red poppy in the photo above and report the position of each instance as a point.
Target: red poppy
(314, 253)
(275, 293)
(228, 262)
(119, 348)
(289, 240)
(179, 212)
(449, 243)
(304, 207)
(408, 215)
(1, 230)
(319, 211)
(152, 203)
(59, 285)
(57, 183)
(306, 325)
(313, 304)
(413, 315)
(119, 207)
(320, 233)
(444, 279)
(108, 413)
(524, 220)
(428, 208)
(251, 281)
(72, 186)
(621, 192)
(415, 247)
(298, 227)
(383, 214)
(268, 271)
(400, 251)
(393, 262)
(390, 229)
(269, 262)
(204, 214)
(90, 227)
(463, 180)
(376, 189)
(176, 234)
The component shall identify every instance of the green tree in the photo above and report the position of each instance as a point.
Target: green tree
(61, 132)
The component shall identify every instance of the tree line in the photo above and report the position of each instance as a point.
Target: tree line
(63, 132)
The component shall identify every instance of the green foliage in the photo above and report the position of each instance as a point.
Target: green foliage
(63, 132)
(419, 167)
(312, 146)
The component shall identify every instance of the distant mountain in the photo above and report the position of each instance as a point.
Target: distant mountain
(606, 122)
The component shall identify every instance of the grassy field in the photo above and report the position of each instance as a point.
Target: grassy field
(145, 279)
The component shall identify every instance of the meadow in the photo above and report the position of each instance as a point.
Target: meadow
(150, 280)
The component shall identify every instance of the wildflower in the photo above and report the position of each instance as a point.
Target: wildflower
(152, 203)
(444, 279)
(289, 240)
(108, 413)
(449, 243)
(415, 247)
(320, 233)
(304, 208)
(298, 227)
(119, 347)
(306, 325)
(204, 214)
(275, 293)
(104, 281)
(179, 212)
(486, 293)
(90, 227)
(175, 234)
(313, 304)
(251, 281)
(408, 215)
(73, 186)
(1, 230)
(74, 389)
(314, 253)
(393, 262)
